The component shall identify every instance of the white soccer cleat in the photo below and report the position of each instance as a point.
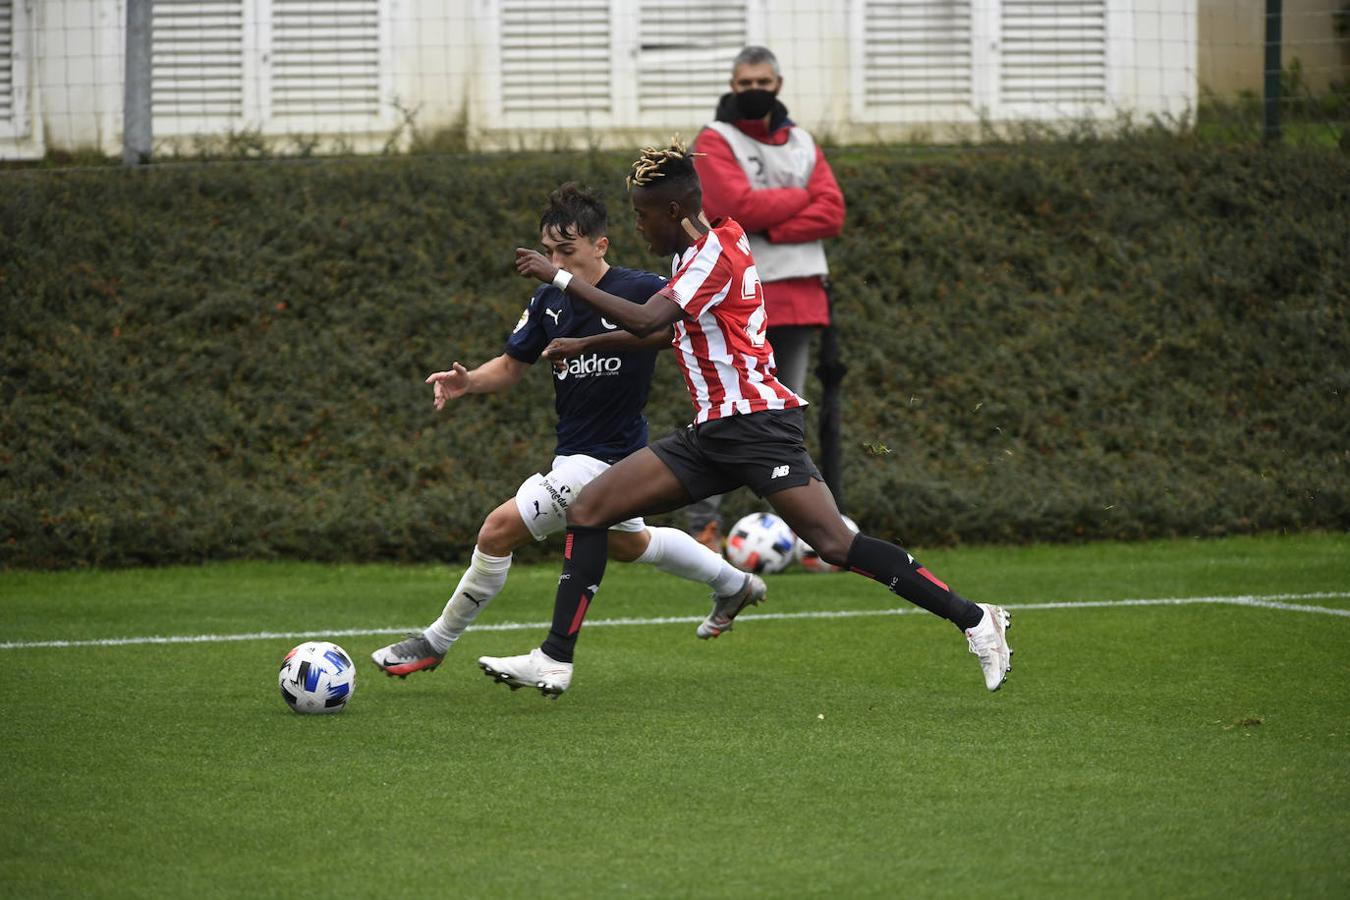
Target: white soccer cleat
(989, 641)
(725, 609)
(535, 669)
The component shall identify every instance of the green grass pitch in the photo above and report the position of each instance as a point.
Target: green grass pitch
(1196, 749)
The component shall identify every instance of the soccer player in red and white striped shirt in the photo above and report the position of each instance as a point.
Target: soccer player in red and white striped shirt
(719, 340)
(747, 430)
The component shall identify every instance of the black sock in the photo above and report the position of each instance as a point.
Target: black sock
(900, 572)
(584, 558)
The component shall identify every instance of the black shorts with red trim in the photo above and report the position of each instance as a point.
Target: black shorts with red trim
(764, 451)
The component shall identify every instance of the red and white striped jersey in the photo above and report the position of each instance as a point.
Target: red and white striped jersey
(720, 343)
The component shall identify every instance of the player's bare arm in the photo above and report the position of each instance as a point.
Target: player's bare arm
(494, 375)
(641, 319)
(567, 348)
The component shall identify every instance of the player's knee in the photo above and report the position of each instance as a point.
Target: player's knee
(583, 518)
(627, 546)
(834, 546)
(585, 513)
(497, 534)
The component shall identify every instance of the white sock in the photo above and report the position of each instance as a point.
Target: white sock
(482, 580)
(673, 551)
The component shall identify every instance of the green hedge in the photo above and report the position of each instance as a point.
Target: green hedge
(1096, 340)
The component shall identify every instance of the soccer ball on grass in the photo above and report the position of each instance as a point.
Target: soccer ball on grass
(317, 677)
(762, 543)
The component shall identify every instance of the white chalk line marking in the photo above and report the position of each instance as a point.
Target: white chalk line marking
(1262, 601)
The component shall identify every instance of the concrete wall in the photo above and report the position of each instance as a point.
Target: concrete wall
(1232, 44)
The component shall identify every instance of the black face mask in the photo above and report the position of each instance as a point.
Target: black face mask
(755, 103)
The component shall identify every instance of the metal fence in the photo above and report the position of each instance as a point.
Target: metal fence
(181, 77)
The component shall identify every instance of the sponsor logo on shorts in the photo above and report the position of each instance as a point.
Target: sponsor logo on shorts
(778, 472)
(586, 366)
(557, 495)
(554, 313)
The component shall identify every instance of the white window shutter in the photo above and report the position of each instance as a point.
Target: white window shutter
(197, 61)
(555, 58)
(916, 53)
(1053, 52)
(685, 51)
(325, 58)
(8, 62)
(16, 41)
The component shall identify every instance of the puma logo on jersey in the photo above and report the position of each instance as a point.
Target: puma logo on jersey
(555, 313)
(778, 472)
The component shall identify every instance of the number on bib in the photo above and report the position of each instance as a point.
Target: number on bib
(758, 321)
(756, 325)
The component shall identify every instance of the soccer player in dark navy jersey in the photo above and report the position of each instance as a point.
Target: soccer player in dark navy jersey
(599, 400)
(599, 396)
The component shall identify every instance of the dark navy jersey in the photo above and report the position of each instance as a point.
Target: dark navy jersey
(600, 396)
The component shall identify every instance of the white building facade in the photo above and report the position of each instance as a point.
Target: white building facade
(538, 74)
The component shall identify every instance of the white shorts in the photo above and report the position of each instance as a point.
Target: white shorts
(543, 499)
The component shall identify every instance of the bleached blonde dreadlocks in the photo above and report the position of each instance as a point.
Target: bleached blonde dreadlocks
(674, 162)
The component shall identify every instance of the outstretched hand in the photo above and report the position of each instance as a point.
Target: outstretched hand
(533, 264)
(559, 350)
(449, 385)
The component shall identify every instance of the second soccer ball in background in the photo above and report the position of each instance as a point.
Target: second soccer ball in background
(762, 543)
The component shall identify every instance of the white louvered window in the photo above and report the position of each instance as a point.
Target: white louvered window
(326, 58)
(14, 39)
(685, 52)
(612, 63)
(273, 65)
(957, 60)
(7, 62)
(917, 53)
(197, 60)
(555, 58)
(1053, 51)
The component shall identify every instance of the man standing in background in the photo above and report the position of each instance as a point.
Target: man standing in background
(761, 169)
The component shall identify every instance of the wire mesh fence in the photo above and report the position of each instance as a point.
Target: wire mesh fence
(278, 77)
(1275, 69)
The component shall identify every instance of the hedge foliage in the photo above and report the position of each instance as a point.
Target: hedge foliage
(1120, 339)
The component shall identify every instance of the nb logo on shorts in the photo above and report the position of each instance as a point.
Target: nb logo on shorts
(778, 472)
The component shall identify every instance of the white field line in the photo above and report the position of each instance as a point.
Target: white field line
(1263, 601)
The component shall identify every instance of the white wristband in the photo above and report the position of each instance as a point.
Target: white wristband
(562, 280)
